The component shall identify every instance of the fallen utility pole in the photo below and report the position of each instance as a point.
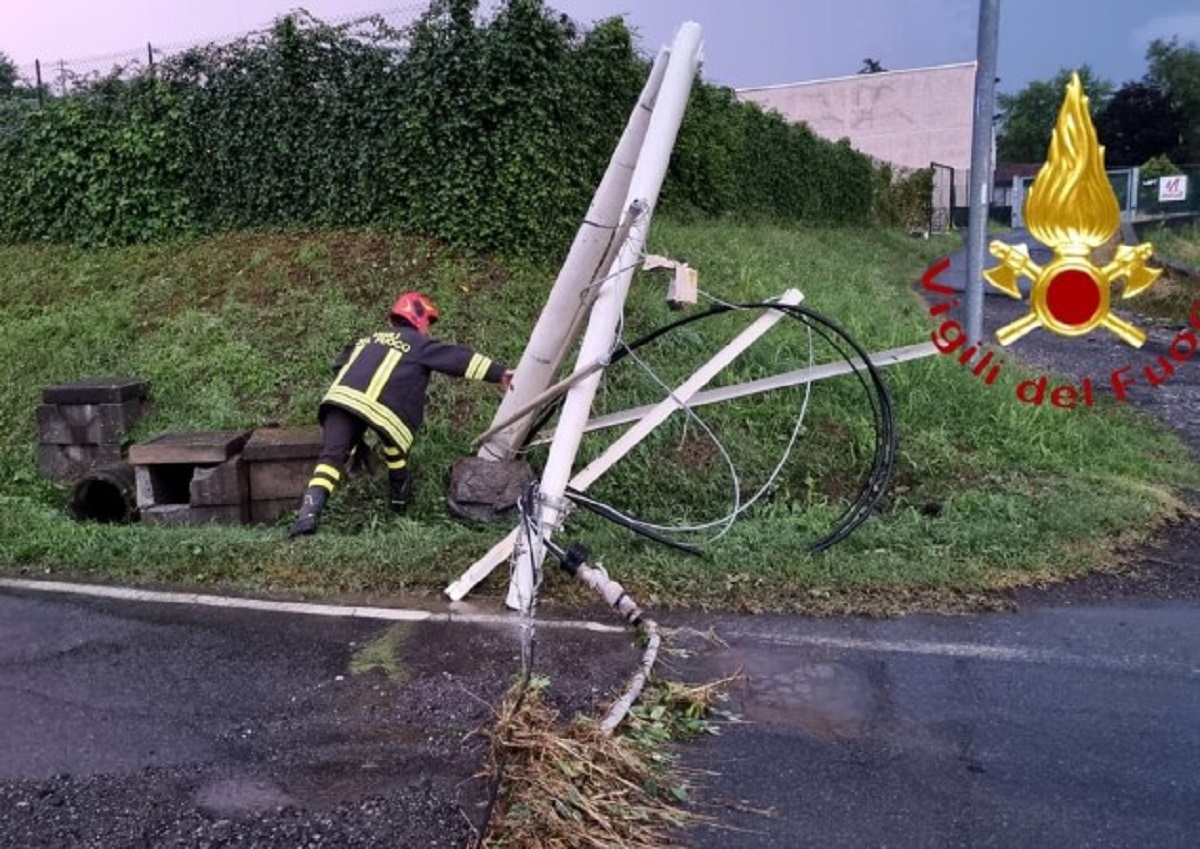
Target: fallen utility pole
(588, 261)
(605, 318)
(654, 416)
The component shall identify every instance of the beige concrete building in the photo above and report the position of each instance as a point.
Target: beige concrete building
(908, 118)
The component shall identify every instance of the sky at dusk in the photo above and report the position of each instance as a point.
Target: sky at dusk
(747, 42)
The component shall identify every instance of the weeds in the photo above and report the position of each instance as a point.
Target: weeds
(574, 786)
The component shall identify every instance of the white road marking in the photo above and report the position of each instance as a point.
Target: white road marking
(974, 651)
(306, 608)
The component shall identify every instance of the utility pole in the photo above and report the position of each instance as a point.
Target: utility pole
(981, 163)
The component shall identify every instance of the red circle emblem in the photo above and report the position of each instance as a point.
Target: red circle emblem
(1073, 297)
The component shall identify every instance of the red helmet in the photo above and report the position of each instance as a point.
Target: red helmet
(415, 308)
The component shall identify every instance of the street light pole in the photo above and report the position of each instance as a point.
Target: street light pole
(981, 163)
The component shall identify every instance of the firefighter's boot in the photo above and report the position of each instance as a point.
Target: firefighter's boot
(310, 512)
(400, 488)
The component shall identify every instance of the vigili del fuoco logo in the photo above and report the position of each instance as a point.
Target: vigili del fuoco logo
(1072, 209)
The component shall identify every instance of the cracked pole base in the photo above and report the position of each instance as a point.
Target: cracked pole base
(487, 490)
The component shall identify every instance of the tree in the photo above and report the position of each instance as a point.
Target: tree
(9, 77)
(1139, 123)
(872, 66)
(1175, 68)
(1027, 117)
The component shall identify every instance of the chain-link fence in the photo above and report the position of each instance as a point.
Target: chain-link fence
(57, 77)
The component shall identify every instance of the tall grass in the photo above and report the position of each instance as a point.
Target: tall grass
(238, 330)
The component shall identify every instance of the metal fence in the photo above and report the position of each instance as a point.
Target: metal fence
(1141, 198)
(57, 77)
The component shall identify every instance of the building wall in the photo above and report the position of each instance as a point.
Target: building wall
(909, 118)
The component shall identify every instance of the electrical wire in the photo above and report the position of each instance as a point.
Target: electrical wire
(882, 464)
(526, 509)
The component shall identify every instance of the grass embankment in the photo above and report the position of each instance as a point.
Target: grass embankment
(1177, 249)
(238, 330)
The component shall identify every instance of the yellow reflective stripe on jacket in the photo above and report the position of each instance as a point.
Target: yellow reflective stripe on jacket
(372, 411)
(379, 380)
(477, 369)
(358, 347)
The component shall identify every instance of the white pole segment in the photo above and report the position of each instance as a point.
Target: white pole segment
(655, 416)
(764, 384)
(605, 318)
(562, 315)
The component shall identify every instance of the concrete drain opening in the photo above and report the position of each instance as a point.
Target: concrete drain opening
(106, 494)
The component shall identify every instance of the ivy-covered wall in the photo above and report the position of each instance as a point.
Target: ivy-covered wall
(491, 135)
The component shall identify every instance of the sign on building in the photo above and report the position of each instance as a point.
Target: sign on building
(1173, 187)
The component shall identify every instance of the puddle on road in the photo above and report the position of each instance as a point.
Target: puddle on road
(319, 786)
(784, 687)
(240, 796)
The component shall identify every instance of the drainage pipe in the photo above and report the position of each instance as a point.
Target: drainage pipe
(105, 494)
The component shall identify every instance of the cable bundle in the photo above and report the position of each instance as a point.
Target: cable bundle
(878, 476)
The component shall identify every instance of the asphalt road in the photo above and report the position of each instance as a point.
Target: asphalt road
(146, 725)
(1054, 728)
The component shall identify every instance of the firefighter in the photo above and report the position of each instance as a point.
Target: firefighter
(381, 384)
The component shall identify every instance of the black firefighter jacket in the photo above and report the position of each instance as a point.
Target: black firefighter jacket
(382, 379)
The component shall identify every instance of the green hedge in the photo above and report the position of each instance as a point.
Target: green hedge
(490, 135)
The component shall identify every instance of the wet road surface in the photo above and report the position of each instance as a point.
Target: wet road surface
(1052, 728)
(148, 725)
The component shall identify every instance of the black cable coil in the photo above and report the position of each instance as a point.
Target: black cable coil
(877, 478)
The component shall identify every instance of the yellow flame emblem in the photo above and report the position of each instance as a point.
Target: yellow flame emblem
(1072, 209)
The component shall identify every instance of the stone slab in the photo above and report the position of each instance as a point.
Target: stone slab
(283, 443)
(182, 514)
(268, 512)
(86, 424)
(97, 390)
(196, 448)
(67, 463)
(219, 486)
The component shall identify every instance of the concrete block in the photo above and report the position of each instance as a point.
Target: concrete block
(283, 443)
(199, 448)
(280, 479)
(67, 463)
(268, 512)
(165, 514)
(281, 461)
(90, 424)
(145, 487)
(219, 486)
(97, 390)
